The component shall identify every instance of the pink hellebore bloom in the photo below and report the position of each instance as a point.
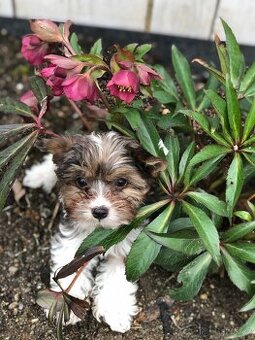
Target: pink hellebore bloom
(34, 49)
(30, 100)
(56, 75)
(79, 87)
(146, 74)
(124, 85)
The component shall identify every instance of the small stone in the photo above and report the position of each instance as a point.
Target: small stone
(165, 112)
(232, 323)
(204, 296)
(19, 86)
(21, 306)
(34, 320)
(16, 297)
(212, 286)
(13, 305)
(223, 316)
(13, 270)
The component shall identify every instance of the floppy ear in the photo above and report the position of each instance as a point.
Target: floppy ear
(150, 164)
(58, 146)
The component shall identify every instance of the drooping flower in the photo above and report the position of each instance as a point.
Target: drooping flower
(55, 76)
(30, 100)
(34, 49)
(80, 87)
(146, 74)
(124, 85)
(46, 30)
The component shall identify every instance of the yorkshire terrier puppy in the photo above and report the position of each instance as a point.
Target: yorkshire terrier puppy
(103, 179)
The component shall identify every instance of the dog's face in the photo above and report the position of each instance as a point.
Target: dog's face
(104, 178)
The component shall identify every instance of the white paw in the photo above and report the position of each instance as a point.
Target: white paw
(117, 320)
(41, 175)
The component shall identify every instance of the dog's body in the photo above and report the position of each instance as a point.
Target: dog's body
(103, 180)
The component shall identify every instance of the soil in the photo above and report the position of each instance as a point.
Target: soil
(26, 227)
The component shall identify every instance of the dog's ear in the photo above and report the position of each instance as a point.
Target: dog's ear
(58, 146)
(150, 164)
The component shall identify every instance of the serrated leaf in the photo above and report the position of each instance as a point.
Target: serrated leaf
(242, 250)
(11, 130)
(166, 84)
(144, 250)
(192, 277)
(238, 231)
(211, 202)
(185, 159)
(223, 55)
(9, 105)
(13, 168)
(74, 41)
(211, 84)
(39, 88)
(236, 59)
(233, 109)
(108, 237)
(249, 122)
(183, 76)
(90, 58)
(172, 260)
(208, 152)
(97, 48)
(211, 69)
(247, 328)
(7, 154)
(205, 229)
(249, 79)
(238, 273)
(235, 180)
(172, 144)
(185, 241)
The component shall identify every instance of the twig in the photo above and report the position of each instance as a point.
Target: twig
(77, 109)
(54, 215)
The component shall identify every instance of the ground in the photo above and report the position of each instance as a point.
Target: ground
(26, 227)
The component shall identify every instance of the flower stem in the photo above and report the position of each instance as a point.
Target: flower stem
(86, 124)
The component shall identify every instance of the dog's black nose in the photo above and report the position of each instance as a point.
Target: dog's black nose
(100, 212)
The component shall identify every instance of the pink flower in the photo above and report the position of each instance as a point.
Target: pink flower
(34, 49)
(30, 100)
(124, 85)
(79, 87)
(56, 75)
(146, 74)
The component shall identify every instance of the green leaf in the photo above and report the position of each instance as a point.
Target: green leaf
(74, 41)
(238, 273)
(97, 48)
(249, 305)
(109, 237)
(211, 69)
(38, 87)
(172, 260)
(211, 84)
(141, 50)
(8, 105)
(183, 76)
(172, 143)
(235, 180)
(13, 168)
(248, 79)
(243, 215)
(206, 230)
(243, 250)
(7, 154)
(144, 250)
(90, 58)
(204, 170)
(234, 113)
(185, 159)
(211, 202)
(192, 277)
(249, 122)
(247, 328)
(223, 55)
(185, 241)
(209, 152)
(146, 131)
(238, 231)
(11, 130)
(166, 84)
(236, 59)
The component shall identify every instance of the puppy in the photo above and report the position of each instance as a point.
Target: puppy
(103, 179)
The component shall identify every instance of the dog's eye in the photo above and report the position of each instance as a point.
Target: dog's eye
(81, 182)
(120, 182)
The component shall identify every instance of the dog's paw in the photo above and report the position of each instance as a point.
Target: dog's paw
(117, 320)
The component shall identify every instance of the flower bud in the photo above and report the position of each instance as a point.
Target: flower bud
(46, 30)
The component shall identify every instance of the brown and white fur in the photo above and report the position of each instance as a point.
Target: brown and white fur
(103, 179)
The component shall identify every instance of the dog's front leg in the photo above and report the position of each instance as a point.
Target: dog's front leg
(113, 296)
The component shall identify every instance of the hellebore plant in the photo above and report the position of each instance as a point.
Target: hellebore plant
(203, 217)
